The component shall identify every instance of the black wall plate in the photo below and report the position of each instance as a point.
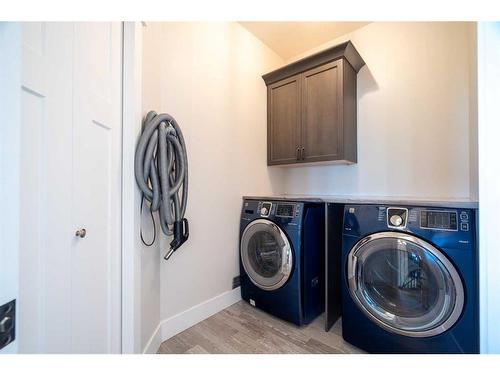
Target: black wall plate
(236, 282)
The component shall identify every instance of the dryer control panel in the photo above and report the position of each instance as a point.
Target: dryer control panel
(445, 227)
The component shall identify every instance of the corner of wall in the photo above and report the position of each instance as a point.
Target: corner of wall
(473, 115)
(140, 277)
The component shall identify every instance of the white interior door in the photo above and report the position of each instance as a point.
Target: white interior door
(10, 76)
(45, 205)
(69, 287)
(97, 188)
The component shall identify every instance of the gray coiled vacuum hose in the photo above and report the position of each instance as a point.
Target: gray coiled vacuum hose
(161, 171)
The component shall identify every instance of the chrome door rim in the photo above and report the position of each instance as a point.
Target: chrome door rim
(287, 258)
(457, 283)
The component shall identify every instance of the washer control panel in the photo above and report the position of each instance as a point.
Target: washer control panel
(288, 213)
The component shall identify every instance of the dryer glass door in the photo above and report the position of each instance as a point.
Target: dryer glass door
(405, 284)
(266, 254)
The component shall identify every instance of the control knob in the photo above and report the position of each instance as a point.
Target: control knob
(6, 324)
(263, 211)
(396, 220)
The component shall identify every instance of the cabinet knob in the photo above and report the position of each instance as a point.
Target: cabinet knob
(81, 233)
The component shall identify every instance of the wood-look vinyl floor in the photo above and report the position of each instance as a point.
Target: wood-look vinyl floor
(243, 329)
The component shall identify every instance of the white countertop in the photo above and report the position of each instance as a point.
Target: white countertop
(405, 201)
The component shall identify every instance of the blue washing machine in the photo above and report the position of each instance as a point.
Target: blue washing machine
(282, 258)
(410, 279)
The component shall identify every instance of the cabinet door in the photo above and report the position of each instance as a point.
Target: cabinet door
(322, 113)
(283, 120)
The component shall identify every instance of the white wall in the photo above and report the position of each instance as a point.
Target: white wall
(416, 116)
(208, 76)
(489, 182)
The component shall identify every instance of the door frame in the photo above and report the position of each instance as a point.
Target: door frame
(488, 89)
(131, 255)
(10, 142)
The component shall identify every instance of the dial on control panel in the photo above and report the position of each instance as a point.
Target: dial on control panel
(265, 209)
(396, 220)
(397, 217)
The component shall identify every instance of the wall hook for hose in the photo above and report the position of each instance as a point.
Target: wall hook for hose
(181, 234)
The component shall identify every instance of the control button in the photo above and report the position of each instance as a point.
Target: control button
(264, 211)
(396, 220)
(464, 216)
(464, 226)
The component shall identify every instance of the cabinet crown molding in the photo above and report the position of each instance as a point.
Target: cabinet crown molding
(344, 50)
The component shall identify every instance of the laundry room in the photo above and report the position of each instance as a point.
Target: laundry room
(422, 155)
(196, 185)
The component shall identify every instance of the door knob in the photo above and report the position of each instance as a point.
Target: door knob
(81, 233)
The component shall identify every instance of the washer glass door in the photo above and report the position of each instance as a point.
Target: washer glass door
(266, 254)
(405, 284)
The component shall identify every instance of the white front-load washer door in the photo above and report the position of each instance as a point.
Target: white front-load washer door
(404, 284)
(266, 254)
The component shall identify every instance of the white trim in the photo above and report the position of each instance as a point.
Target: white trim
(10, 144)
(188, 318)
(131, 256)
(488, 54)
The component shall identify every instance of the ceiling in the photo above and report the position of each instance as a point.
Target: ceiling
(289, 39)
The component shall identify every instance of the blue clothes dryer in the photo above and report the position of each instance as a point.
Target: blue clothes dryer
(282, 258)
(410, 279)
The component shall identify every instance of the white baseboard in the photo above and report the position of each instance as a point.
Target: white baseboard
(186, 319)
(180, 322)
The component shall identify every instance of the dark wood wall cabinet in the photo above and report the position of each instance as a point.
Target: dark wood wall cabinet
(311, 108)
